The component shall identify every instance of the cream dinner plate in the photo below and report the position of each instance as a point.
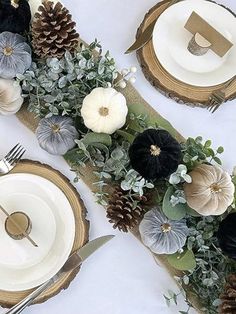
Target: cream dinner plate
(23, 266)
(170, 41)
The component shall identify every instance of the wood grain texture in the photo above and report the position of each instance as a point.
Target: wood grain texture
(165, 82)
(8, 299)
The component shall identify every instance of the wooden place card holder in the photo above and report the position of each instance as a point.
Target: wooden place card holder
(204, 33)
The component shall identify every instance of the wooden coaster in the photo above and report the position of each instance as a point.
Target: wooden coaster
(8, 299)
(165, 82)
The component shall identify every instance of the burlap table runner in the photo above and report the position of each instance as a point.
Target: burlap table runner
(137, 105)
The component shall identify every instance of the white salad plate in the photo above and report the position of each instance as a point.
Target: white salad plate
(170, 41)
(23, 266)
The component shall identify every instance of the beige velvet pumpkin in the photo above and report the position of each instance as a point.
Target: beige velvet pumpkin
(211, 191)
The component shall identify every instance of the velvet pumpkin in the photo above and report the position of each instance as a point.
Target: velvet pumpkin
(56, 134)
(15, 16)
(155, 154)
(162, 235)
(227, 235)
(104, 110)
(15, 55)
(10, 97)
(211, 191)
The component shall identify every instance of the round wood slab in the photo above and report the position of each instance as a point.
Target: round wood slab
(8, 299)
(165, 82)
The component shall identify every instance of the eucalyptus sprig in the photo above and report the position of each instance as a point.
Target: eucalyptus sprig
(58, 86)
(195, 152)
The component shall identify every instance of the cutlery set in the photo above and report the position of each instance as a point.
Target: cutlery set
(74, 260)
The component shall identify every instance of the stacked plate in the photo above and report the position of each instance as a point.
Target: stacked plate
(59, 227)
(170, 41)
(23, 266)
(170, 67)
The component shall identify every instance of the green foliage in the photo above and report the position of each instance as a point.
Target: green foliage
(212, 267)
(176, 212)
(182, 261)
(196, 152)
(134, 182)
(58, 86)
(93, 138)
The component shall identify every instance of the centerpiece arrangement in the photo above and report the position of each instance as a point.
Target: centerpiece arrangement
(173, 191)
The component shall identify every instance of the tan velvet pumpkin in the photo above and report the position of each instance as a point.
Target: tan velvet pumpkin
(211, 191)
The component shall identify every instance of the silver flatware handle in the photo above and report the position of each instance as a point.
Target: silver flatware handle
(73, 262)
(18, 308)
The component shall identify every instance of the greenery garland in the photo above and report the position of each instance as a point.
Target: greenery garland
(58, 87)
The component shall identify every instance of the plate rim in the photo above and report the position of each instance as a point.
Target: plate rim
(71, 237)
(167, 70)
(161, 80)
(8, 299)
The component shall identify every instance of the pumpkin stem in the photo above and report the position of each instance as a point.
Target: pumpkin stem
(15, 3)
(55, 128)
(103, 111)
(155, 150)
(215, 188)
(166, 227)
(8, 51)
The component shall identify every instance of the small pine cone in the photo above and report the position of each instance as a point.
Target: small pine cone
(124, 211)
(53, 31)
(228, 297)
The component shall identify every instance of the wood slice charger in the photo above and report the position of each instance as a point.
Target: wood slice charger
(8, 299)
(164, 81)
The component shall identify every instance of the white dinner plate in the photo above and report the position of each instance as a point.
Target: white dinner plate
(23, 266)
(170, 41)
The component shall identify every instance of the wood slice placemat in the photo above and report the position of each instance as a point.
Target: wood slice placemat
(8, 299)
(165, 82)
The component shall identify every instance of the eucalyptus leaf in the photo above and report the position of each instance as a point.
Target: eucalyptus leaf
(127, 136)
(192, 212)
(220, 150)
(73, 155)
(91, 138)
(182, 261)
(176, 212)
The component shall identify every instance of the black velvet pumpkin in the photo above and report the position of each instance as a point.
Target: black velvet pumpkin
(155, 154)
(227, 235)
(14, 19)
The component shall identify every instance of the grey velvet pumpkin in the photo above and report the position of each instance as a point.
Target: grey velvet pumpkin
(56, 134)
(15, 55)
(162, 235)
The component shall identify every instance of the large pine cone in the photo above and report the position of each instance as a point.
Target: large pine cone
(125, 212)
(228, 297)
(53, 31)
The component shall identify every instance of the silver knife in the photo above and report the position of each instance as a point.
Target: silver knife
(144, 38)
(73, 262)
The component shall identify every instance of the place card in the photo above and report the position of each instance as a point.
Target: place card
(219, 44)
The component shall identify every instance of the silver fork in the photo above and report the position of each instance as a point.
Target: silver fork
(217, 98)
(11, 159)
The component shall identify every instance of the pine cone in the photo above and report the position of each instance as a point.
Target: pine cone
(228, 297)
(53, 31)
(122, 210)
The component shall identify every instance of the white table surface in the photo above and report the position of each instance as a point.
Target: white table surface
(121, 278)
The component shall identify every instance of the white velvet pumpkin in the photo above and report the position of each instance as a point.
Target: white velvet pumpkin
(211, 191)
(10, 97)
(104, 110)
